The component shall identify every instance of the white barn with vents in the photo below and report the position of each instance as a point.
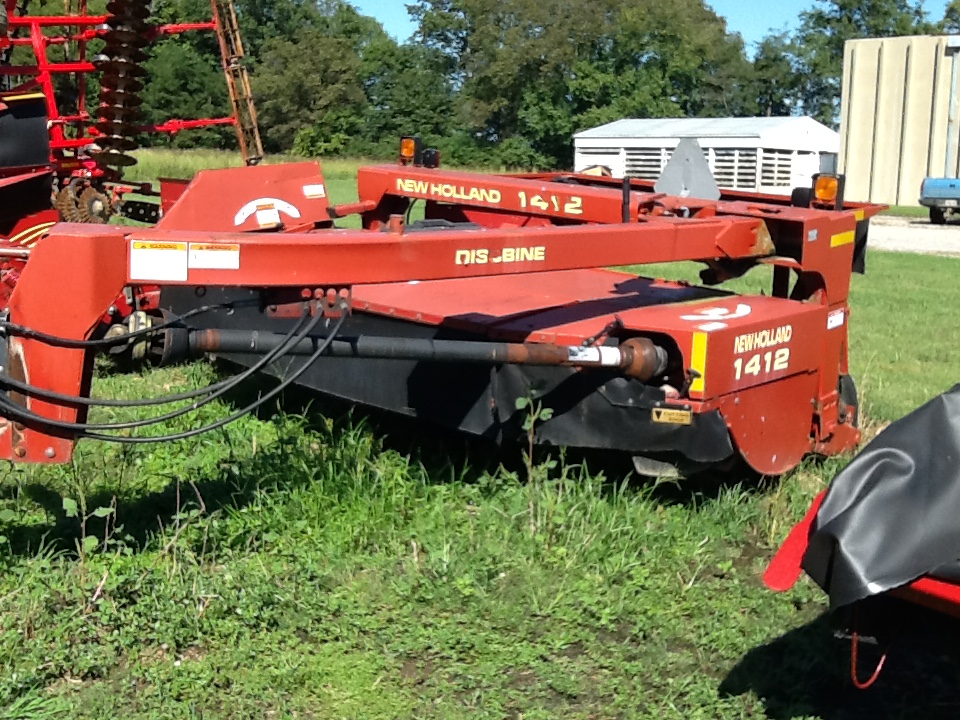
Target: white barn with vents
(766, 154)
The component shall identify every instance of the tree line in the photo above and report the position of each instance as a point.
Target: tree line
(507, 82)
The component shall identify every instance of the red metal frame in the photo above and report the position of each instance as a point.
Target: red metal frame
(775, 417)
(934, 594)
(509, 201)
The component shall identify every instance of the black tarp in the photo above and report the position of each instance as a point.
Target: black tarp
(893, 514)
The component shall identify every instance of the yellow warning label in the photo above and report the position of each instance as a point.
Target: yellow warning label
(698, 362)
(666, 416)
(214, 256)
(140, 245)
(158, 261)
(219, 247)
(843, 239)
(860, 215)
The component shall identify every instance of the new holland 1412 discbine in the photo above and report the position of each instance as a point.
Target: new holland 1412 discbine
(498, 293)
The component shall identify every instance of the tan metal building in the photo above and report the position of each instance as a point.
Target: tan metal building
(900, 118)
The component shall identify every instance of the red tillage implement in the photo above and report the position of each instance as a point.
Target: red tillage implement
(499, 293)
(45, 66)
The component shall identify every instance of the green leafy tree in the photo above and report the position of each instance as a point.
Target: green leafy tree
(185, 83)
(500, 52)
(405, 86)
(309, 83)
(342, 85)
(687, 46)
(184, 78)
(951, 18)
(824, 30)
(264, 20)
(775, 76)
(407, 93)
(535, 71)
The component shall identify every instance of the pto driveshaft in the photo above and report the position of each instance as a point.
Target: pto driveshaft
(637, 357)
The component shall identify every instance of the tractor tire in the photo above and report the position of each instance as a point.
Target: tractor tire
(938, 216)
(850, 400)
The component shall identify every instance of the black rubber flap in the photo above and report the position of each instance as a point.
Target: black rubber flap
(893, 515)
(24, 138)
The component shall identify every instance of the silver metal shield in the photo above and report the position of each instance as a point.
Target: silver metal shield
(688, 174)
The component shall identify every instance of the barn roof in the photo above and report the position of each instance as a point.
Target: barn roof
(760, 128)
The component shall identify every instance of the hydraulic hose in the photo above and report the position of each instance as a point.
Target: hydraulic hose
(82, 430)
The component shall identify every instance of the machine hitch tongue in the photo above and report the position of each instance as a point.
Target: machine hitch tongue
(637, 358)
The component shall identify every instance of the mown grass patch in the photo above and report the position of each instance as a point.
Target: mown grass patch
(908, 211)
(156, 163)
(328, 575)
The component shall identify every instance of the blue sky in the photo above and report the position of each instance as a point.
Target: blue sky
(751, 18)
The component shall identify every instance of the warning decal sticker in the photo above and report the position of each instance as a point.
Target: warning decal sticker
(214, 256)
(159, 261)
(315, 192)
(672, 417)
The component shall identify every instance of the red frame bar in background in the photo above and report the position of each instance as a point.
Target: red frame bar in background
(63, 148)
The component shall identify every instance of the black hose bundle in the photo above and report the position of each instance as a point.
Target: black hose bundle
(300, 331)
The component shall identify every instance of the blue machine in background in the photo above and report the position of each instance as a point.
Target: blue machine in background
(942, 196)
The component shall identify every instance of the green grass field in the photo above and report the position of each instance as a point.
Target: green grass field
(908, 211)
(342, 566)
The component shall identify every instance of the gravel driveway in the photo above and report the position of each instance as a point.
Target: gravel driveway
(915, 235)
